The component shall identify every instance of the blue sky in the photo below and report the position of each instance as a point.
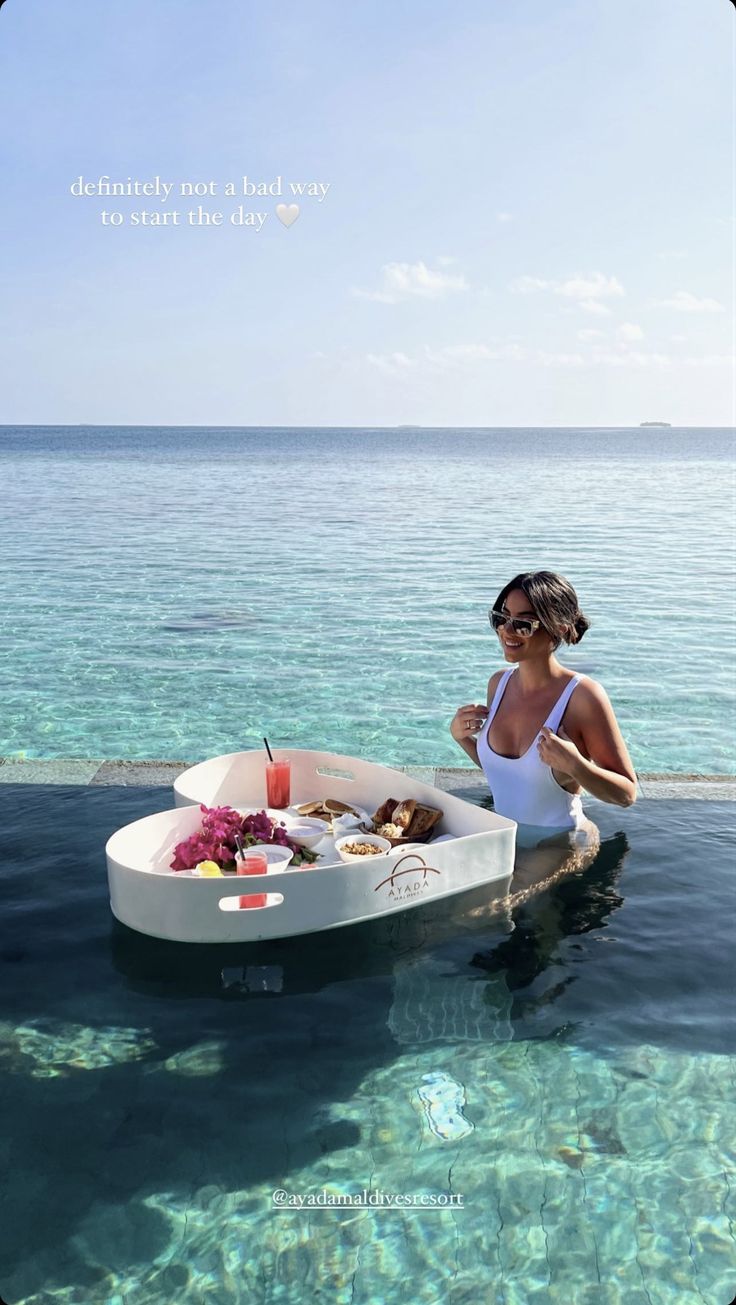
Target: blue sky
(528, 221)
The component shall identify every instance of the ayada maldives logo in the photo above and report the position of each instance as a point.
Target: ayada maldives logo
(411, 882)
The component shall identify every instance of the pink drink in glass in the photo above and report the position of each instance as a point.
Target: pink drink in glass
(278, 784)
(252, 863)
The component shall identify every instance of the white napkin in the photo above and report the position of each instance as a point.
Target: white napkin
(345, 824)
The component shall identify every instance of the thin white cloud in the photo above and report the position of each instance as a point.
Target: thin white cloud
(448, 358)
(673, 255)
(593, 306)
(471, 353)
(629, 331)
(631, 358)
(560, 359)
(475, 358)
(662, 361)
(590, 333)
(596, 286)
(504, 217)
(393, 364)
(526, 285)
(710, 360)
(469, 358)
(399, 281)
(585, 291)
(685, 302)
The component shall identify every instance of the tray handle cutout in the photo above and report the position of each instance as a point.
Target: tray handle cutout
(233, 904)
(334, 773)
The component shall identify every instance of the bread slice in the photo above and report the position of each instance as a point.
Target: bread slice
(384, 814)
(423, 821)
(414, 819)
(403, 814)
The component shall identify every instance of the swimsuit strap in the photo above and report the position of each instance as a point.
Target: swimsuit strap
(555, 716)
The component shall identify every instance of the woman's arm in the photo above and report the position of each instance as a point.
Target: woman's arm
(603, 765)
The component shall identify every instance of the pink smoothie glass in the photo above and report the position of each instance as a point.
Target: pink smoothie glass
(252, 863)
(278, 784)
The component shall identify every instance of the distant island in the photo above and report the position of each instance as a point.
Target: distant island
(655, 423)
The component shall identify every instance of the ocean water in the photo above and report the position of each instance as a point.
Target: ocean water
(566, 1067)
(177, 593)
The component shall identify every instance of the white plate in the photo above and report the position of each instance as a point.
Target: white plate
(361, 813)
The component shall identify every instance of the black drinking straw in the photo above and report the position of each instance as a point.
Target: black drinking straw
(268, 750)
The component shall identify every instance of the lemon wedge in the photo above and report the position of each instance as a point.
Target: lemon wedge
(207, 868)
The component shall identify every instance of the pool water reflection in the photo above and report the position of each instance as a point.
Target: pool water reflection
(566, 1065)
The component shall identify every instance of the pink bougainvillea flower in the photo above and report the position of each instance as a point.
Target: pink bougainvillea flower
(215, 840)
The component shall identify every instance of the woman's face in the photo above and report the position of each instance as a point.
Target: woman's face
(516, 648)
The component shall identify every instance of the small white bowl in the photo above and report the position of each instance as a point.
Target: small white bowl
(306, 831)
(278, 857)
(381, 844)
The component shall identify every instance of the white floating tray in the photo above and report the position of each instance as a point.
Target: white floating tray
(150, 897)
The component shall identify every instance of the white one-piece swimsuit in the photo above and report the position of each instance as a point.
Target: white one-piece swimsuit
(524, 788)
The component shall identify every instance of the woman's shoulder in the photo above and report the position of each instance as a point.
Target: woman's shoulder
(494, 682)
(498, 676)
(589, 694)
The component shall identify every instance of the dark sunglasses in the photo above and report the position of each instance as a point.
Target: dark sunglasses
(521, 625)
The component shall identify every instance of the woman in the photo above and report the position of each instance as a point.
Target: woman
(537, 767)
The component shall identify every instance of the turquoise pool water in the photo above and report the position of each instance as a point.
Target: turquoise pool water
(178, 593)
(568, 1069)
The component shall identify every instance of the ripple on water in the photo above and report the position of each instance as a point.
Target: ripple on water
(548, 1207)
(360, 635)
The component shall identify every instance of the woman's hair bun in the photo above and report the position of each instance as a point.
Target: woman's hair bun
(581, 625)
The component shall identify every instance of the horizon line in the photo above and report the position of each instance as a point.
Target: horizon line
(86, 425)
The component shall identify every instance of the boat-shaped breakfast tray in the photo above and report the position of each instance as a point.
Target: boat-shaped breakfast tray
(475, 847)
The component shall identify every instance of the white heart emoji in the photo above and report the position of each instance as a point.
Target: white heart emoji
(287, 213)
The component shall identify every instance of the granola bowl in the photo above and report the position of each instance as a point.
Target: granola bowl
(370, 844)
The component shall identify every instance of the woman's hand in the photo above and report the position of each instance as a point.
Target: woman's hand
(467, 721)
(558, 751)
